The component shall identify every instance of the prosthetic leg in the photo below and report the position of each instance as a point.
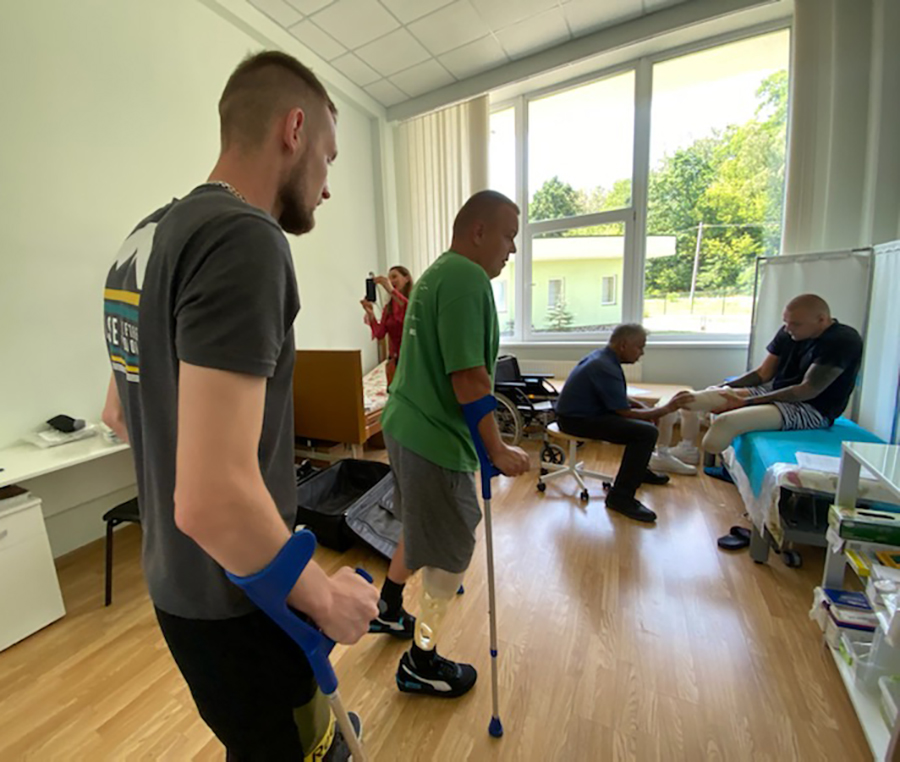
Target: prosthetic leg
(438, 588)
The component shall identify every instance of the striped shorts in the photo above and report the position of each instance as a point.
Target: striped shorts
(795, 416)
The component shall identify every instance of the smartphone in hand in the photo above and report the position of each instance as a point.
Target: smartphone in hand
(370, 288)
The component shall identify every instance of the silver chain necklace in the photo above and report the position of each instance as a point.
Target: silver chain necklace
(229, 187)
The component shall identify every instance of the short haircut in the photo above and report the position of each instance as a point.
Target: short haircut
(628, 331)
(481, 206)
(262, 86)
(811, 303)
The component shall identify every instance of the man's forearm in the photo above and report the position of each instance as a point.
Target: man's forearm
(469, 386)
(644, 413)
(748, 379)
(817, 379)
(239, 526)
(797, 393)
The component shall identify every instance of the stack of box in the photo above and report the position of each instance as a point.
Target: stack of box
(865, 525)
(845, 612)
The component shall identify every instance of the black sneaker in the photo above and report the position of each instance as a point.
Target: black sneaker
(441, 677)
(402, 625)
(339, 751)
(630, 507)
(651, 477)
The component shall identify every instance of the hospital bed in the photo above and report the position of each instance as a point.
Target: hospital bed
(786, 502)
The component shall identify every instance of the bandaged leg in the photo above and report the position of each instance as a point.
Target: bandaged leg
(438, 588)
(714, 399)
(732, 424)
(690, 421)
(710, 400)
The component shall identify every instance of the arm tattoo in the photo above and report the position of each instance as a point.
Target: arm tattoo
(748, 379)
(817, 379)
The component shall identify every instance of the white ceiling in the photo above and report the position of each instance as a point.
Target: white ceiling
(399, 49)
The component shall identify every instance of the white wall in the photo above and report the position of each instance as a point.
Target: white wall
(109, 110)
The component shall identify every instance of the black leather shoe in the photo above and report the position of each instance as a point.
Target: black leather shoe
(651, 477)
(630, 507)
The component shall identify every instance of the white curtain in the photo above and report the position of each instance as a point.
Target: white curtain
(843, 173)
(841, 279)
(881, 367)
(441, 160)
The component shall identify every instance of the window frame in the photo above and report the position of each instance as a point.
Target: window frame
(634, 217)
(561, 295)
(615, 288)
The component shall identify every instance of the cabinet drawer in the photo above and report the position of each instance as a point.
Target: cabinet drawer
(21, 523)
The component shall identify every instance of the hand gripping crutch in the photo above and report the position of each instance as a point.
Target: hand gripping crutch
(269, 589)
(473, 413)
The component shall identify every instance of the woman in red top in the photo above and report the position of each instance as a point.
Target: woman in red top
(398, 284)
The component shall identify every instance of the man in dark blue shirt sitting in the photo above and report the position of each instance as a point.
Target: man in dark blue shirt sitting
(594, 404)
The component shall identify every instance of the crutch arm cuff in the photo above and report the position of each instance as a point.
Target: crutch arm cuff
(474, 412)
(269, 588)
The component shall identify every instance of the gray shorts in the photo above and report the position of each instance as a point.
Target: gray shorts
(439, 510)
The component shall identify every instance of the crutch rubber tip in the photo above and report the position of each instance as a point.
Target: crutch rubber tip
(495, 728)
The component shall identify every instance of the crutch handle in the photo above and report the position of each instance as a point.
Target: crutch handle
(474, 412)
(269, 589)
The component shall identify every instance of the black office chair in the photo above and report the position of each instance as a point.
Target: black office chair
(127, 511)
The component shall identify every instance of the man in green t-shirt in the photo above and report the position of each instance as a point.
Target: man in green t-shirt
(450, 342)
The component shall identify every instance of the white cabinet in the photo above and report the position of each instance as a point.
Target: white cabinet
(29, 589)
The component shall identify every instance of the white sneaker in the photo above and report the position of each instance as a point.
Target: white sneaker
(664, 461)
(686, 452)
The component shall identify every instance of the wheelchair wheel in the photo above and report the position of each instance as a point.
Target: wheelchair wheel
(553, 453)
(509, 420)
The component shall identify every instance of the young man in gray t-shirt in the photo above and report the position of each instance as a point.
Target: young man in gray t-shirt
(199, 312)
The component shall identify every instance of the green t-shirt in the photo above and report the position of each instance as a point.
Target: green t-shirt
(451, 324)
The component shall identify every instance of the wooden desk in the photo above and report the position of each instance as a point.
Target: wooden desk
(649, 394)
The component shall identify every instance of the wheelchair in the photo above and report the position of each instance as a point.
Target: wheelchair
(526, 406)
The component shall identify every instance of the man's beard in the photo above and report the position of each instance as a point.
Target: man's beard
(295, 218)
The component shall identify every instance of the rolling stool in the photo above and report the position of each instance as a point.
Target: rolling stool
(127, 511)
(571, 466)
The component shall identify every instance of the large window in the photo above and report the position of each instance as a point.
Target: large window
(702, 168)
(716, 182)
(579, 149)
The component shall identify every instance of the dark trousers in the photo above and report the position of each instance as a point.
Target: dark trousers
(252, 684)
(639, 438)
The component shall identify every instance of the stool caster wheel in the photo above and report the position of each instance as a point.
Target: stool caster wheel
(584, 496)
(792, 559)
(544, 472)
(541, 487)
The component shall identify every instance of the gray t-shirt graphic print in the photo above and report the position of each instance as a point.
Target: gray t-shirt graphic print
(207, 280)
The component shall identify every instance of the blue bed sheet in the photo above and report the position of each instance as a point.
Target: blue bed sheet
(758, 450)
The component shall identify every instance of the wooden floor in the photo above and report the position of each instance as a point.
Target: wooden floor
(619, 641)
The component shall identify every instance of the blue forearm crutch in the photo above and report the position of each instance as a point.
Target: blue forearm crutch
(474, 412)
(269, 589)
